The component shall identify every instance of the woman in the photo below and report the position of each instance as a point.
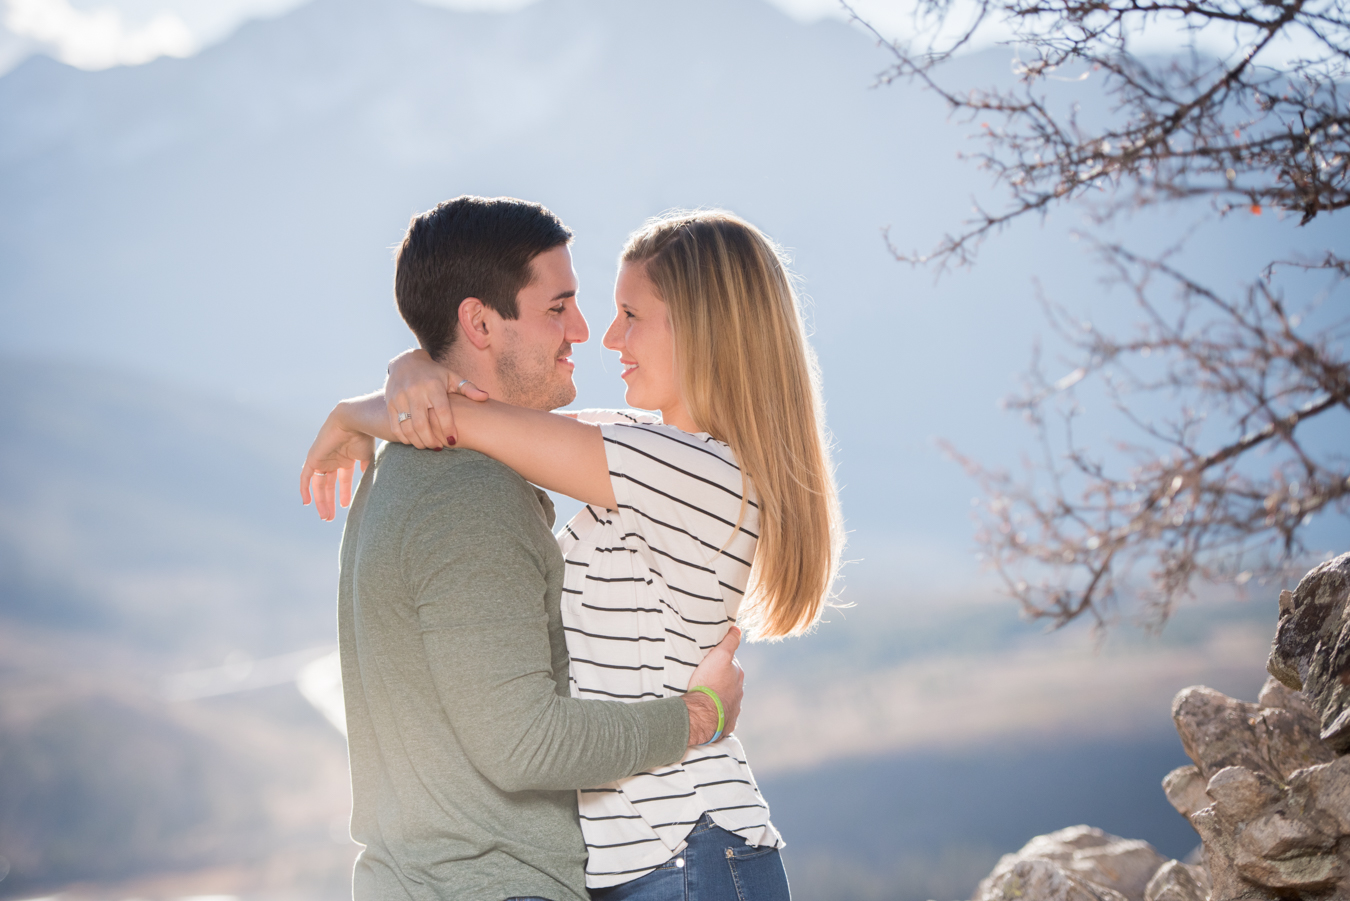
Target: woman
(723, 510)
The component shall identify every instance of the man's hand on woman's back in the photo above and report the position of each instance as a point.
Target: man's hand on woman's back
(720, 672)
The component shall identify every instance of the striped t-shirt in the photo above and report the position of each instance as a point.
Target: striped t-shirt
(648, 588)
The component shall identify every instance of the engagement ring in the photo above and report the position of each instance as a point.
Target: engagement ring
(404, 417)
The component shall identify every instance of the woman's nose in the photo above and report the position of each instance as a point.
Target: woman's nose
(612, 336)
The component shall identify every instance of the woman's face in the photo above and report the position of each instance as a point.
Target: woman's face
(642, 335)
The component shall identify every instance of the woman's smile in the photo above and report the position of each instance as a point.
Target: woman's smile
(642, 335)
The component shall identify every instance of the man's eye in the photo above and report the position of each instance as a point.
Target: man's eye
(559, 308)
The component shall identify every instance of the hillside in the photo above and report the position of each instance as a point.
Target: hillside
(152, 530)
(151, 516)
(145, 531)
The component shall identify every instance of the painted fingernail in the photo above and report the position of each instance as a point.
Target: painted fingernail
(436, 449)
(450, 440)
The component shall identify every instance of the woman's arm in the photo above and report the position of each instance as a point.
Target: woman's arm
(552, 451)
(332, 464)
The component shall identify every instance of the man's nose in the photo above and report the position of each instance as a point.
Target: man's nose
(576, 331)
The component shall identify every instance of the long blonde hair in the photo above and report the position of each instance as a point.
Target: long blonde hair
(748, 377)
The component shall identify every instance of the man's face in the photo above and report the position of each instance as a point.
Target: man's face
(534, 365)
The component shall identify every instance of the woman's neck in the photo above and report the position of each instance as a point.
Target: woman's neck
(679, 417)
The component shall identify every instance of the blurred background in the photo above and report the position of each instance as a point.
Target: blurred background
(199, 200)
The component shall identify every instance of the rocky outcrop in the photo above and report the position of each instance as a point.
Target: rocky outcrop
(1311, 651)
(1072, 864)
(1268, 792)
(1270, 800)
(1176, 881)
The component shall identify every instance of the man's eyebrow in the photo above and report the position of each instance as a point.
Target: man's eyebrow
(563, 296)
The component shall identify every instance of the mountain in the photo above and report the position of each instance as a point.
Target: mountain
(154, 517)
(195, 262)
(226, 220)
(145, 530)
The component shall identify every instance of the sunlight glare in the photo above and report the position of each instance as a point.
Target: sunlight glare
(97, 39)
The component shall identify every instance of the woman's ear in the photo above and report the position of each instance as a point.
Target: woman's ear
(474, 318)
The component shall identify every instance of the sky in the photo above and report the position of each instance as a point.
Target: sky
(98, 34)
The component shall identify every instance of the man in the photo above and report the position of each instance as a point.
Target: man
(465, 746)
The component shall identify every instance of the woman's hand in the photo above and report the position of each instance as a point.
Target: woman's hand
(418, 393)
(331, 462)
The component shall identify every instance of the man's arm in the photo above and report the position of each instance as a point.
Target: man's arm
(472, 558)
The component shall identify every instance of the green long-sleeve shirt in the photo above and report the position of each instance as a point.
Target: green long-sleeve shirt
(465, 747)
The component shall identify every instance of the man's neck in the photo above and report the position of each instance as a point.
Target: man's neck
(477, 368)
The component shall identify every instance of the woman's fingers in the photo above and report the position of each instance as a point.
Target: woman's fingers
(392, 409)
(427, 437)
(323, 499)
(344, 477)
(306, 473)
(471, 391)
(317, 488)
(442, 419)
(410, 411)
(439, 428)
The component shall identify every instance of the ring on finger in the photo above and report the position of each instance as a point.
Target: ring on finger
(404, 417)
(462, 383)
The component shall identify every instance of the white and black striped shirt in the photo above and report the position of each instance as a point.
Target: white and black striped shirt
(649, 588)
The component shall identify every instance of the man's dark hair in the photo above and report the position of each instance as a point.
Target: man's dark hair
(469, 247)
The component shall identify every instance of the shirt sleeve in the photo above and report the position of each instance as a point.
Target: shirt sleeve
(473, 563)
(623, 417)
(679, 498)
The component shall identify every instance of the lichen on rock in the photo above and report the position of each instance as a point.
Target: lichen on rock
(1311, 650)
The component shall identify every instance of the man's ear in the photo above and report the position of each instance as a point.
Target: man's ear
(477, 322)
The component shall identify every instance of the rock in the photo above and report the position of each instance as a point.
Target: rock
(1218, 731)
(1307, 874)
(1243, 794)
(1176, 881)
(1275, 693)
(1039, 880)
(1269, 791)
(1089, 859)
(1311, 650)
(1325, 793)
(1279, 836)
(1185, 789)
(1279, 824)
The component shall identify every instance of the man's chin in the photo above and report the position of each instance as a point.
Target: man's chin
(564, 396)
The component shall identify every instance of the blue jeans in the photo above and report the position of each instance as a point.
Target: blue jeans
(716, 866)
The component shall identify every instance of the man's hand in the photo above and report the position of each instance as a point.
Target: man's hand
(720, 672)
(331, 463)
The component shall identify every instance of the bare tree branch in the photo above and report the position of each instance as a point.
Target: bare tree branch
(1245, 131)
(1222, 483)
(1065, 535)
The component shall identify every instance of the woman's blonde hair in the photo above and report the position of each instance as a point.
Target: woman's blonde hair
(748, 377)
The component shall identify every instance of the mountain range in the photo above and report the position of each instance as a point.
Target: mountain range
(195, 262)
(226, 221)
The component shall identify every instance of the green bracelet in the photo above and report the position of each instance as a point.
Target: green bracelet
(721, 714)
